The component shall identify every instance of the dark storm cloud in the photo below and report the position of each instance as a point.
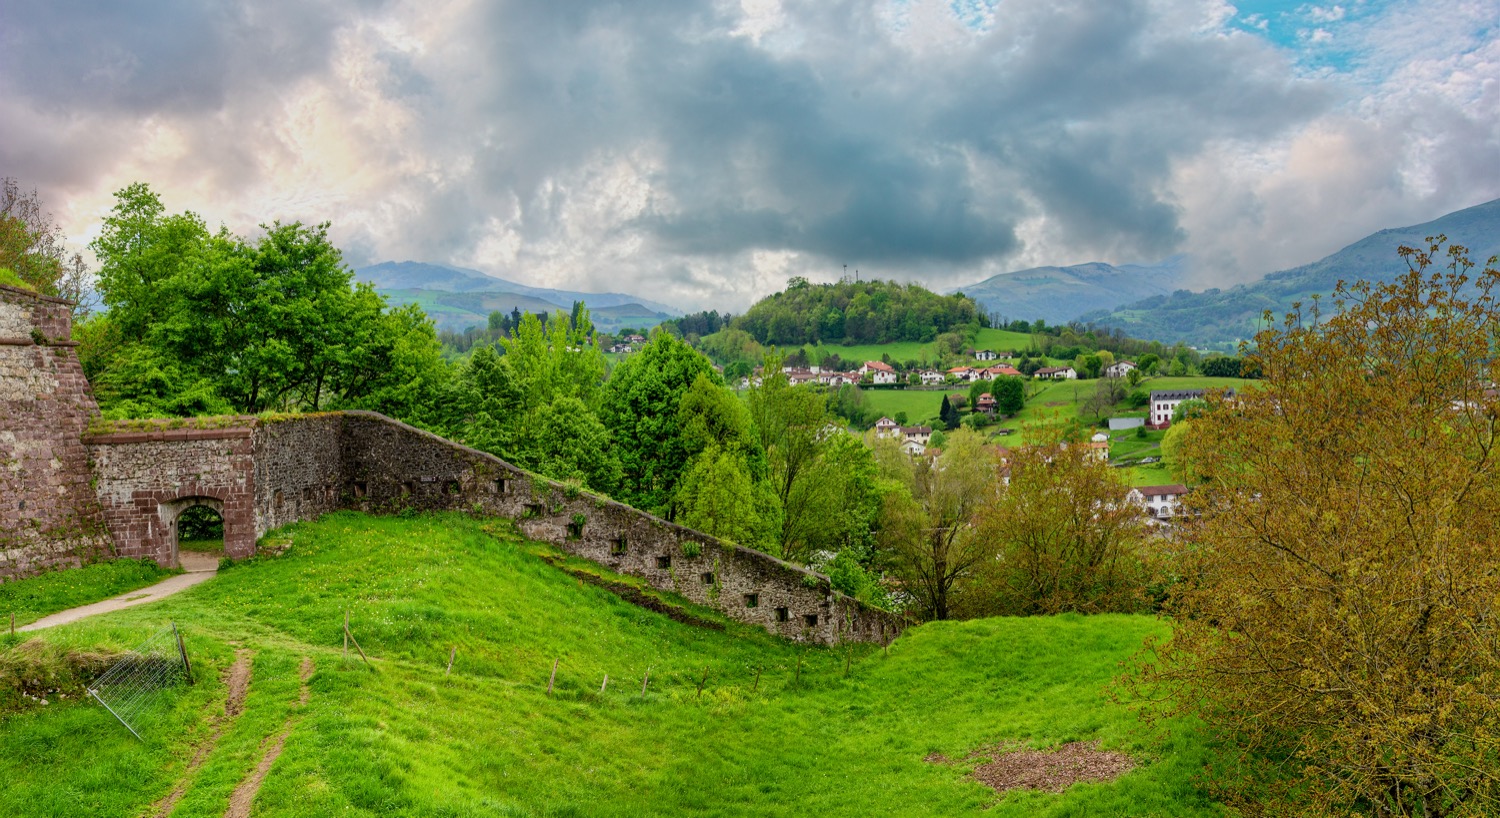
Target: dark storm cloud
(158, 57)
(869, 151)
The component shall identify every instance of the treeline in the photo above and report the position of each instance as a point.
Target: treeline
(856, 312)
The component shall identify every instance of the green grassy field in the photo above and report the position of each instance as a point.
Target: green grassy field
(54, 591)
(406, 739)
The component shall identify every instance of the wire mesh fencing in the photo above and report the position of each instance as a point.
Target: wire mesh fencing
(132, 687)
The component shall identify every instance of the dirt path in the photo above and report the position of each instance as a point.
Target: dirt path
(199, 568)
(238, 681)
(244, 794)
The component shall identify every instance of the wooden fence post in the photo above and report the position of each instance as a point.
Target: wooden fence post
(645, 680)
(604, 684)
(798, 680)
(346, 634)
(553, 677)
(452, 654)
(702, 682)
(757, 679)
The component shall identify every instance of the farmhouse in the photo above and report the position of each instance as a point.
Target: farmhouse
(1057, 373)
(983, 354)
(880, 372)
(931, 377)
(1119, 369)
(1161, 502)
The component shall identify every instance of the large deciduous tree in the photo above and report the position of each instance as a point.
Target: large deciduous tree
(35, 250)
(927, 535)
(1341, 621)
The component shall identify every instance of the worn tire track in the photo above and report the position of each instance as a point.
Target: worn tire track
(238, 682)
(244, 794)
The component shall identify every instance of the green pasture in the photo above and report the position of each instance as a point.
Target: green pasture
(779, 729)
(57, 590)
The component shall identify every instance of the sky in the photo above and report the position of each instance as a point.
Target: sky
(701, 153)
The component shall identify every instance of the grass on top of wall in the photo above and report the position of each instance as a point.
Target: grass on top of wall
(406, 739)
(32, 598)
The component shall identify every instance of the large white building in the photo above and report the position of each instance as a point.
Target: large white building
(1161, 502)
(1164, 403)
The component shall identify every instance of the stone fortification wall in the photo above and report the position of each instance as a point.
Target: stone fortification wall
(299, 469)
(47, 513)
(389, 465)
(145, 478)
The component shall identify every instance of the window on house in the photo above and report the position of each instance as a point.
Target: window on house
(811, 620)
(534, 509)
(502, 486)
(617, 547)
(783, 615)
(664, 562)
(708, 578)
(752, 601)
(575, 531)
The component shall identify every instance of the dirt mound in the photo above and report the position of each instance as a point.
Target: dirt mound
(1010, 767)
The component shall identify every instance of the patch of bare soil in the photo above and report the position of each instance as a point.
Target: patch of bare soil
(1019, 768)
(238, 682)
(244, 795)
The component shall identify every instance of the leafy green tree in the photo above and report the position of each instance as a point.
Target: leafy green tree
(948, 415)
(1149, 363)
(640, 405)
(717, 495)
(1009, 393)
(927, 535)
(570, 443)
(34, 250)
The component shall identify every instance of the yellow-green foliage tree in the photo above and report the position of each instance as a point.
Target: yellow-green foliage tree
(1069, 538)
(1341, 621)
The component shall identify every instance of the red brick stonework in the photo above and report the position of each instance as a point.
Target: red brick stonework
(47, 512)
(146, 479)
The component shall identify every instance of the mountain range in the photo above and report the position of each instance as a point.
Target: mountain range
(457, 298)
(1219, 318)
(1060, 294)
(1147, 301)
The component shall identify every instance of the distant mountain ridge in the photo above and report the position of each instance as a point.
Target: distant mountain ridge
(1061, 294)
(457, 298)
(1222, 317)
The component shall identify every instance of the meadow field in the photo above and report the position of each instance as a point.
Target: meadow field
(778, 729)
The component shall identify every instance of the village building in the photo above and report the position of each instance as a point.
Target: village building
(885, 427)
(983, 354)
(1119, 369)
(931, 377)
(1161, 502)
(1002, 369)
(1164, 403)
(880, 372)
(986, 403)
(1057, 373)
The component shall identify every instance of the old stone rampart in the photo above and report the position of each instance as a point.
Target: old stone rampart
(47, 512)
(75, 489)
(265, 473)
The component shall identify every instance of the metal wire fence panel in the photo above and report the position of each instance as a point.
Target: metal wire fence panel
(132, 687)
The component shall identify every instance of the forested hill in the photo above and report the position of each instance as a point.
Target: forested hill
(860, 312)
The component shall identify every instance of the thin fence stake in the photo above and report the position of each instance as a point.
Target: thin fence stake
(848, 659)
(452, 654)
(346, 634)
(702, 682)
(12, 623)
(798, 680)
(757, 680)
(645, 680)
(605, 684)
(182, 651)
(349, 636)
(553, 677)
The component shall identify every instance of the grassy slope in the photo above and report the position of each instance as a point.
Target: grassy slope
(487, 740)
(902, 351)
(55, 591)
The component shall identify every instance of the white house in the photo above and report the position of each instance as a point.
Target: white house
(1164, 403)
(1057, 373)
(965, 373)
(918, 434)
(885, 427)
(1161, 502)
(984, 355)
(914, 448)
(1119, 369)
(932, 376)
(879, 372)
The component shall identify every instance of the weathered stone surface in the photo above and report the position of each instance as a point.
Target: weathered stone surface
(47, 512)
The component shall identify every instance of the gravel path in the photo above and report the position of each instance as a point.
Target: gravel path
(198, 567)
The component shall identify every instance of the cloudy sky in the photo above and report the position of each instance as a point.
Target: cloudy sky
(699, 153)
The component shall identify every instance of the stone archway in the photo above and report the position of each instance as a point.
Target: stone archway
(171, 510)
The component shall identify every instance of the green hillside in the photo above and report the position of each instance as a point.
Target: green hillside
(406, 739)
(459, 311)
